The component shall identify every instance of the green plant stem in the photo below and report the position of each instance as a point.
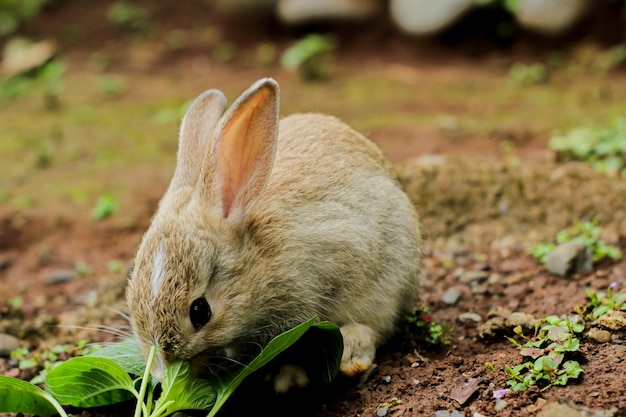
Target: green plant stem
(56, 404)
(144, 385)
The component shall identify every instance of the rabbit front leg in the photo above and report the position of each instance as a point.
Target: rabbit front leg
(359, 348)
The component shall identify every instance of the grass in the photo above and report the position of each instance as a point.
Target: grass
(588, 232)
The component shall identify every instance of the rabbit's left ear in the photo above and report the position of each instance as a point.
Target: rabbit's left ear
(243, 150)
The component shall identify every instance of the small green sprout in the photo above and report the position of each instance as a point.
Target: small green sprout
(105, 207)
(308, 54)
(586, 232)
(421, 326)
(526, 75)
(602, 302)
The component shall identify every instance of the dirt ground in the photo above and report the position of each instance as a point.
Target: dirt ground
(470, 149)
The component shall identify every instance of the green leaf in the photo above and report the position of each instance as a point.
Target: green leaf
(90, 381)
(183, 393)
(126, 354)
(17, 396)
(277, 345)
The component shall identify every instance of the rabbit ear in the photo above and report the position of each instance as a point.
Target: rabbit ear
(195, 132)
(244, 148)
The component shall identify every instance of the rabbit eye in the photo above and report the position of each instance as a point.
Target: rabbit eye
(199, 313)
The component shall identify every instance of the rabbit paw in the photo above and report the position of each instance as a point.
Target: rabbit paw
(290, 376)
(359, 348)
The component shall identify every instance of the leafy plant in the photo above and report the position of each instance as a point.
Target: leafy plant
(308, 54)
(105, 206)
(127, 16)
(526, 75)
(603, 147)
(47, 79)
(14, 12)
(586, 232)
(421, 326)
(602, 302)
(104, 378)
(554, 338)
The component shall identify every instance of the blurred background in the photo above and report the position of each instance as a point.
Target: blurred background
(505, 119)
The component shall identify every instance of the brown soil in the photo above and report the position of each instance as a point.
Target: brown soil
(482, 207)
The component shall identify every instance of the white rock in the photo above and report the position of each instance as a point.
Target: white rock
(21, 55)
(294, 12)
(425, 17)
(550, 17)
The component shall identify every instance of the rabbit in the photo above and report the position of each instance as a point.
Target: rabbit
(269, 223)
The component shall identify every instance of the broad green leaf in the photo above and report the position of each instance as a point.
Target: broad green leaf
(89, 381)
(277, 345)
(126, 354)
(180, 392)
(17, 396)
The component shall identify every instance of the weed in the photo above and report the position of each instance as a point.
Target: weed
(554, 338)
(603, 147)
(105, 206)
(421, 326)
(526, 75)
(308, 54)
(14, 12)
(602, 302)
(127, 16)
(586, 232)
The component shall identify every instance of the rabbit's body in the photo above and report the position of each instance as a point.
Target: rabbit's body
(328, 233)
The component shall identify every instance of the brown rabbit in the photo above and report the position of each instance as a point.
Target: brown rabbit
(268, 224)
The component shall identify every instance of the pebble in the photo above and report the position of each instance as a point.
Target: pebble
(426, 17)
(58, 277)
(500, 405)
(519, 318)
(569, 258)
(598, 335)
(8, 343)
(614, 320)
(446, 413)
(465, 317)
(382, 411)
(451, 296)
(471, 277)
(294, 12)
(550, 17)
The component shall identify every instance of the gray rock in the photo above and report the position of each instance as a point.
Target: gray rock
(500, 405)
(382, 411)
(451, 296)
(58, 277)
(7, 344)
(426, 17)
(569, 258)
(295, 12)
(469, 277)
(550, 17)
(446, 413)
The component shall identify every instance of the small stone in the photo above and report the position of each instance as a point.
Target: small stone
(21, 55)
(58, 277)
(464, 389)
(500, 405)
(613, 320)
(470, 277)
(8, 343)
(451, 296)
(426, 17)
(295, 12)
(569, 258)
(599, 335)
(382, 411)
(387, 378)
(491, 327)
(465, 317)
(550, 17)
(478, 289)
(519, 318)
(446, 413)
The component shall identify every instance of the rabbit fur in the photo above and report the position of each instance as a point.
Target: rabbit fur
(273, 223)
